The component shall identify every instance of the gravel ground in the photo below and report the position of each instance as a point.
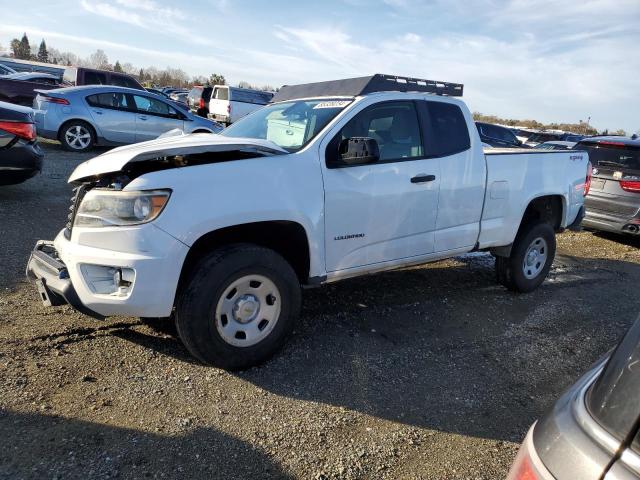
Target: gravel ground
(424, 373)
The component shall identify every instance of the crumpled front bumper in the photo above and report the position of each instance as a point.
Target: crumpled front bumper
(51, 278)
(130, 271)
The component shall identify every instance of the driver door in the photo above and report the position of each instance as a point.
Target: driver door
(383, 211)
(154, 117)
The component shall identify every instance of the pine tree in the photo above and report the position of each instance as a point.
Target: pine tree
(141, 75)
(43, 54)
(25, 48)
(117, 67)
(216, 79)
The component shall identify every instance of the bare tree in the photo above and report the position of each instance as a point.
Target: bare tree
(99, 59)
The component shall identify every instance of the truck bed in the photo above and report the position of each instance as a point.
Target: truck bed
(515, 176)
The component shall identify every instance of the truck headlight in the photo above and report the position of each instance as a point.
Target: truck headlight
(106, 208)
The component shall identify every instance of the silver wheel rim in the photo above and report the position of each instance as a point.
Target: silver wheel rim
(535, 258)
(248, 310)
(77, 137)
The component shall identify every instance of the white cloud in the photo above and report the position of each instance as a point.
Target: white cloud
(543, 59)
(566, 76)
(148, 15)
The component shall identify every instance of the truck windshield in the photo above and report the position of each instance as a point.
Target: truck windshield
(290, 125)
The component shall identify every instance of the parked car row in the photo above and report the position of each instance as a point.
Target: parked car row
(509, 137)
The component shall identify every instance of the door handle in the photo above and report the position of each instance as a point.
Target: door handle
(98, 112)
(423, 178)
(142, 117)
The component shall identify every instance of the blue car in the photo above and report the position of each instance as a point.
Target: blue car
(81, 117)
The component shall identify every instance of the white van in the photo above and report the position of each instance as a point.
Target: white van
(229, 104)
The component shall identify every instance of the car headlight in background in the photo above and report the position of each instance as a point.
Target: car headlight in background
(106, 208)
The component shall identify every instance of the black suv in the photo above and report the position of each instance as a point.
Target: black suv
(198, 100)
(497, 136)
(613, 202)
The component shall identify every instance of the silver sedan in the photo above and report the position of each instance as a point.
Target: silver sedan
(81, 117)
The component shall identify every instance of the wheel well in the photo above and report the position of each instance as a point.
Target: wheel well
(78, 120)
(287, 238)
(548, 209)
(201, 131)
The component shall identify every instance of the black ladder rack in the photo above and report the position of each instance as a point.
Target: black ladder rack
(353, 87)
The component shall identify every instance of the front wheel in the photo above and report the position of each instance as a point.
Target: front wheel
(238, 307)
(531, 257)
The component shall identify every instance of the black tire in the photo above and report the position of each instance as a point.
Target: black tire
(197, 321)
(511, 271)
(77, 127)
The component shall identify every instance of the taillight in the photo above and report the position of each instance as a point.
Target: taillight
(630, 185)
(59, 101)
(229, 109)
(522, 469)
(587, 181)
(527, 465)
(201, 103)
(22, 130)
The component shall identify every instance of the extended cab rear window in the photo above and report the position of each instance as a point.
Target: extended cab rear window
(612, 154)
(447, 131)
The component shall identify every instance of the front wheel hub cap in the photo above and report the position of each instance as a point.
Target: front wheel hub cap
(246, 308)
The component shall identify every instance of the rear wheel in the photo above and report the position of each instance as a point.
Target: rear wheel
(238, 307)
(77, 136)
(531, 257)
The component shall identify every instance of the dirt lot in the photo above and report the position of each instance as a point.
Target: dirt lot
(433, 372)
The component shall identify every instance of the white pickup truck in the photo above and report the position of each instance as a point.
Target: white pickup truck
(332, 180)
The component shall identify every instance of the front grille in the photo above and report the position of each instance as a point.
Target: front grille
(78, 194)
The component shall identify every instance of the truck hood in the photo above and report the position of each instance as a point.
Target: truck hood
(115, 160)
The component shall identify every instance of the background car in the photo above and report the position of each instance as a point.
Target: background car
(552, 135)
(81, 117)
(20, 155)
(76, 76)
(39, 77)
(613, 202)
(497, 136)
(522, 133)
(198, 99)
(5, 70)
(556, 145)
(229, 104)
(179, 97)
(592, 432)
(19, 87)
(157, 92)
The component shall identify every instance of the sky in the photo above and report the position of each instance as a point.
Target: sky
(553, 61)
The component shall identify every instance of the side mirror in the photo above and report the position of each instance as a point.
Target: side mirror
(359, 151)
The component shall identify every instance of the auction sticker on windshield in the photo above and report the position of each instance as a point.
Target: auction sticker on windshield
(333, 104)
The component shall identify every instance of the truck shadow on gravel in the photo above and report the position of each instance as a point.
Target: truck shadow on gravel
(37, 446)
(444, 348)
